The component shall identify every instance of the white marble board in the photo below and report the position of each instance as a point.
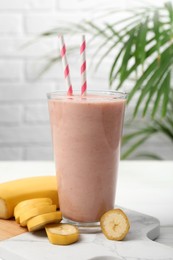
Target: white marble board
(138, 245)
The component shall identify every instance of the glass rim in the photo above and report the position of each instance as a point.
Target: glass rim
(103, 94)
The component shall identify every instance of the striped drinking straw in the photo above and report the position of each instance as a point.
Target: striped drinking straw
(83, 66)
(65, 66)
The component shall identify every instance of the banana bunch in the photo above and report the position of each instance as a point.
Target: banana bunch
(33, 202)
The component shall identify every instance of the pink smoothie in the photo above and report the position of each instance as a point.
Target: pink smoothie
(86, 139)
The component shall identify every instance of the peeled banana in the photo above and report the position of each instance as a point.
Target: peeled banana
(115, 224)
(62, 234)
(13, 192)
(39, 222)
(35, 212)
(27, 205)
(32, 202)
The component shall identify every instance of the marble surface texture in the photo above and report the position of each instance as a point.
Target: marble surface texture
(137, 244)
(146, 187)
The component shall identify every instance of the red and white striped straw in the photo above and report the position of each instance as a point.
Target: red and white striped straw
(83, 66)
(65, 66)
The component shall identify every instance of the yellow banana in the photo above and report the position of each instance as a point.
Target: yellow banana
(35, 212)
(13, 192)
(62, 234)
(39, 222)
(27, 205)
(115, 224)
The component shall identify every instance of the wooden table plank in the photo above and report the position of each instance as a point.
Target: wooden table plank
(9, 228)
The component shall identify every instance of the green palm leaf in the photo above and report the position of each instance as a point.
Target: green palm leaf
(169, 121)
(141, 42)
(127, 53)
(166, 94)
(169, 7)
(156, 29)
(150, 156)
(147, 73)
(134, 67)
(150, 96)
(138, 137)
(126, 57)
(142, 132)
(127, 30)
(133, 147)
(158, 81)
(161, 127)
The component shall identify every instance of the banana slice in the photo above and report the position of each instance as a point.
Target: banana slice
(26, 208)
(115, 224)
(26, 205)
(39, 222)
(39, 210)
(62, 234)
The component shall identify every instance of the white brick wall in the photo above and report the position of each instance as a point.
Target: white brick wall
(24, 122)
(10, 114)
(27, 5)
(10, 24)
(39, 152)
(25, 92)
(25, 134)
(11, 70)
(14, 47)
(11, 153)
(36, 114)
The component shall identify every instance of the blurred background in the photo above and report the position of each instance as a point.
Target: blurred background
(29, 68)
